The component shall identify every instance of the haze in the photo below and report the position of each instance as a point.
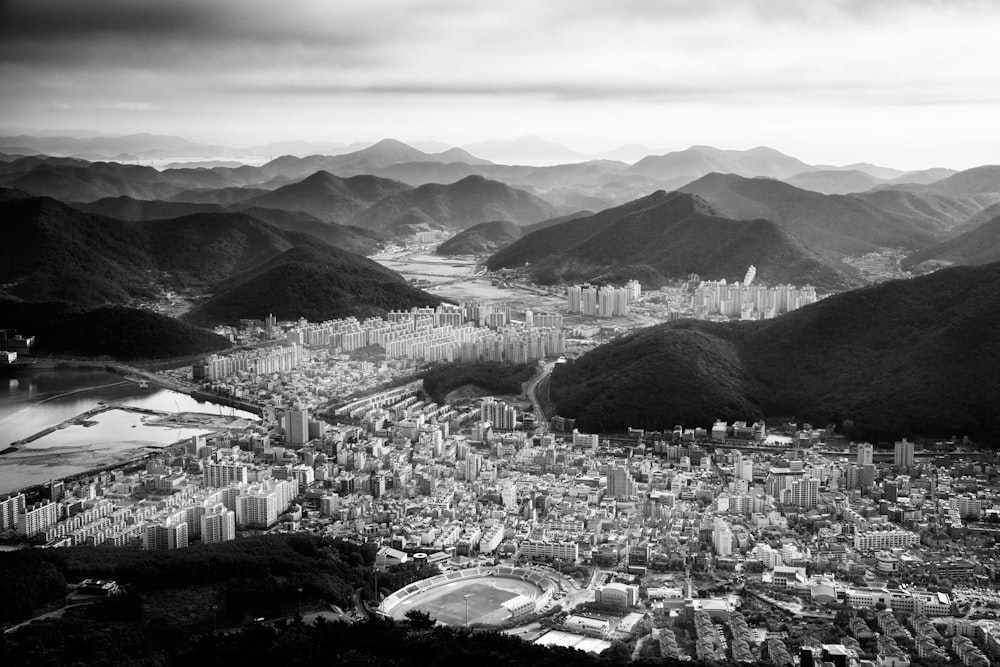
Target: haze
(910, 84)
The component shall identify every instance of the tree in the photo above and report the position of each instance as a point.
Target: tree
(420, 620)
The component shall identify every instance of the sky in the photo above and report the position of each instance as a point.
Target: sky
(903, 83)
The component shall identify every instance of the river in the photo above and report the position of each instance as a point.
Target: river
(34, 400)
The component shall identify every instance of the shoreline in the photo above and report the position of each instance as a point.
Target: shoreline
(128, 374)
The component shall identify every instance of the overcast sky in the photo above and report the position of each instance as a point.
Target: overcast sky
(906, 83)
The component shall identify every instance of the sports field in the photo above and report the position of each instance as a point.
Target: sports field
(446, 603)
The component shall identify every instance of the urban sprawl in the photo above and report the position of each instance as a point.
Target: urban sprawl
(767, 540)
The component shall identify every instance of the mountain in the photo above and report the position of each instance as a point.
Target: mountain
(980, 245)
(222, 196)
(873, 170)
(484, 237)
(9, 194)
(453, 155)
(413, 222)
(92, 181)
(372, 159)
(52, 252)
(136, 145)
(833, 223)
(352, 239)
(549, 240)
(330, 197)
(983, 180)
(127, 208)
(203, 249)
(680, 234)
(898, 359)
(527, 148)
(629, 153)
(838, 182)
(938, 213)
(978, 219)
(922, 176)
(22, 165)
(59, 253)
(697, 161)
(114, 331)
(467, 202)
(311, 282)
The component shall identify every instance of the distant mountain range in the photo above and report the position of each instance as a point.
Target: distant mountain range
(467, 202)
(899, 359)
(670, 235)
(330, 197)
(593, 184)
(835, 223)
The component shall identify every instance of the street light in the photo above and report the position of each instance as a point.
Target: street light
(300, 601)
(467, 596)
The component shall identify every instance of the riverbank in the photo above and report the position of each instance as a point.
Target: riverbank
(63, 419)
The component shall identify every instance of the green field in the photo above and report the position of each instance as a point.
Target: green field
(446, 603)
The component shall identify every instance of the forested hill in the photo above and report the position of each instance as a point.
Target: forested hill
(909, 357)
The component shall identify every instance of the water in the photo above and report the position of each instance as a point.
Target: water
(35, 400)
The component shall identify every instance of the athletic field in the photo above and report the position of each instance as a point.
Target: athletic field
(446, 603)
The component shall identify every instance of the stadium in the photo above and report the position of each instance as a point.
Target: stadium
(479, 595)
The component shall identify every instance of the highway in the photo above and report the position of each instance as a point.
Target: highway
(542, 420)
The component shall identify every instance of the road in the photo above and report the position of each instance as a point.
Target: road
(57, 613)
(532, 392)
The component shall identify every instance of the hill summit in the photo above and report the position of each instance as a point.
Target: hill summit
(897, 359)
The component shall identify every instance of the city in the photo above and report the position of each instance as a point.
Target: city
(770, 540)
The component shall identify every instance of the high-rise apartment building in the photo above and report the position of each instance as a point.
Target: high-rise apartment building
(10, 508)
(36, 518)
(226, 473)
(502, 416)
(297, 427)
(866, 452)
(620, 483)
(903, 454)
(722, 538)
(804, 493)
(161, 536)
(218, 525)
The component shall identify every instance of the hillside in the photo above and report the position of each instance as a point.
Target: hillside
(980, 245)
(92, 182)
(330, 197)
(484, 237)
(53, 252)
(59, 253)
(200, 250)
(127, 208)
(311, 282)
(978, 219)
(352, 239)
(551, 239)
(698, 161)
(834, 182)
(984, 180)
(222, 196)
(834, 223)
(941, 213)
(467, 202)
(897, 359)
(122, 333)
(671, 235)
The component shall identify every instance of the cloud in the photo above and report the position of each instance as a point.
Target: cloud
(215, 64)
